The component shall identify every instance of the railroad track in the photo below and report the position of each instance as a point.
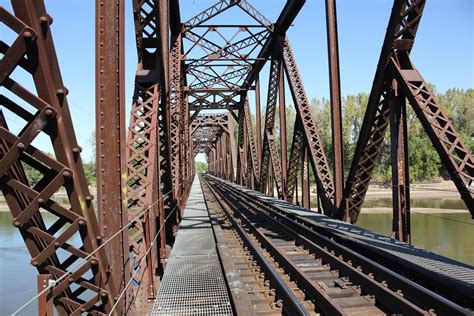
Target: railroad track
(311, 273)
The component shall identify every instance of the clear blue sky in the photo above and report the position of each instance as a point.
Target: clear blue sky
(443, 51)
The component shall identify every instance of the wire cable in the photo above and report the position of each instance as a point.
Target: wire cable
(143, 259)
(53, 283)
(441, 217)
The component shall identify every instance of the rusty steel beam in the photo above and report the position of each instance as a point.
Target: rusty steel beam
(48, 114)
(252, 149)
(270, 154)
(296, 153)
(283, 136)
(285, 19)
(400, 35)
(258, 121)
(110, 136)
(399, 161)
(144, 189)
(209, 13)
(313, 141)
(454, 154)
(45, 302)
(336, 108)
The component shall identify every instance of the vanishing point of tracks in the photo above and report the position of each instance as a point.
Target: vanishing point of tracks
(312, 274)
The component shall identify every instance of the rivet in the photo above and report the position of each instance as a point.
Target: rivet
(20, 146)
(67, 174)
(27, 34)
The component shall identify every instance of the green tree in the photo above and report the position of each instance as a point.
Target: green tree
(201, 167)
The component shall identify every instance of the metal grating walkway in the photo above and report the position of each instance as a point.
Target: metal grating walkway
(193, 282)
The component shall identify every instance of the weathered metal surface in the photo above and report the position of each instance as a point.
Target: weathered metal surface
(45, 302)
(400, 34)
(313, 141)
(454, 154)
(173, 78)
(336, 107)
(110, 135)
(399, 160)
(270, 154)
(144, 192)
(81, 269)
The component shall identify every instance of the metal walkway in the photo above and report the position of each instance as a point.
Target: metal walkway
(193, 282)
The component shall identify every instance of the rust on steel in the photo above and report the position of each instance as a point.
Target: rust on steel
(110, 135)
(336, 106)
(186, 68)
(45, 111)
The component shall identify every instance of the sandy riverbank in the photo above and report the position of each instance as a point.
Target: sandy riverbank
(388, 210)
(437, 190)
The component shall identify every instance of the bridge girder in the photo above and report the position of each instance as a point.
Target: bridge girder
(183, 70)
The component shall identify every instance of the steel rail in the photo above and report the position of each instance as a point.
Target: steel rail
(391, 301)
(304, 282)
(324, 237)
(292, 304)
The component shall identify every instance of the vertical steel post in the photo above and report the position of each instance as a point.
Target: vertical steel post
(110, 135)
(283, 141)
(305, 199)
(258, 115)
(336, 111)
(399, 159)
(45, 302)
(233, 148)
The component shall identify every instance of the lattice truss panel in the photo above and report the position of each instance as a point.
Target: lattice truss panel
(66, 246)
(311, 134)
(395, 64)
(270, 150)
(142, 152)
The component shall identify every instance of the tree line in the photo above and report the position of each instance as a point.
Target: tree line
(424, 162)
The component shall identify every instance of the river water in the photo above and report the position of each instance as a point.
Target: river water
(450, 235)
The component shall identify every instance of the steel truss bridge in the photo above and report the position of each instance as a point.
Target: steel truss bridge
(257, 193)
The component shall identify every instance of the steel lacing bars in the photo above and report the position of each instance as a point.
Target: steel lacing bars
(270, 152)
(89, 287)
(312, 137)
(400, 34)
